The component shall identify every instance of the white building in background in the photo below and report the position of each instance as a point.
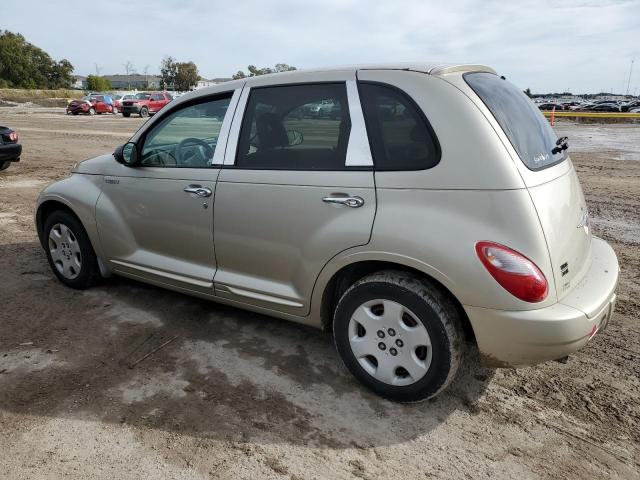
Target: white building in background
(79, 82)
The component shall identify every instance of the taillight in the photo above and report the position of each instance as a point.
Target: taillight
(516, 273)
(13, 136)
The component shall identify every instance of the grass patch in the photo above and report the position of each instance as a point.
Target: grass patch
(40, 97)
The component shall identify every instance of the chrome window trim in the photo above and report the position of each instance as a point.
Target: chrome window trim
(358, 150)
(223, 135)
(236, 125)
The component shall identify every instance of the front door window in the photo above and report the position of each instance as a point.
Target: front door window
(186, 138)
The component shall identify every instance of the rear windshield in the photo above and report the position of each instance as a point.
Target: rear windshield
(528, 131)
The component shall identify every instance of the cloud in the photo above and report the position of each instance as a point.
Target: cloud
(545, 45)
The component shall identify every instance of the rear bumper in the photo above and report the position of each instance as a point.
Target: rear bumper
(10, 152)
(520, 338)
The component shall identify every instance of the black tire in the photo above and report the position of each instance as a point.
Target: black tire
(144, 112)
(89, 271)
(114, 110)
(432, 307)
(4, 165)
(126, 114)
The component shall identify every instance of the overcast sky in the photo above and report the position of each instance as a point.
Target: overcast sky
(547, 45)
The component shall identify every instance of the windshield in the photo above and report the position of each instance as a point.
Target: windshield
(142, 96)
(528, 131)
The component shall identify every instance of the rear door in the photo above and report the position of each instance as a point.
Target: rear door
(548, 174)
(295, 191)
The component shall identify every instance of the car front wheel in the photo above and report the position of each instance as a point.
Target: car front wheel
(144, 112)
(400, 335)
(69, 251)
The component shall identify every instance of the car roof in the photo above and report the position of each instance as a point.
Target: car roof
(430, 68)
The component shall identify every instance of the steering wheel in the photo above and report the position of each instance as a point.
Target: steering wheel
(180, 159)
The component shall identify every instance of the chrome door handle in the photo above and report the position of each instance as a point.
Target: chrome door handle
(346, 200)
(199, 190)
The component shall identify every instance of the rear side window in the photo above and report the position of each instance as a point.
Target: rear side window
(527, 129)
(295, 127)
(399, 134)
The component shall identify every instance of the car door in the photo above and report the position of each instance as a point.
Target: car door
(156, 220)
(156, 102)
(295, 191)
(99, 105)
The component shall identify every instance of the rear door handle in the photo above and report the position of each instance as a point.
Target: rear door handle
(344, 199)
(198, 190)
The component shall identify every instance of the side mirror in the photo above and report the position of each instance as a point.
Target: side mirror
(127, 154)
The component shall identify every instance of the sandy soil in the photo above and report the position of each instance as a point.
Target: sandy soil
(239, 395)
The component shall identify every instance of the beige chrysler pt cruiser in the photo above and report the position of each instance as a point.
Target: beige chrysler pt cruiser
(409, 209)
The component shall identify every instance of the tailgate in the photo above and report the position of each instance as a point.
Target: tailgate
(547, 173)
(564, 219)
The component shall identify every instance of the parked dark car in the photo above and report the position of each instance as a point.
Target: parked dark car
(10, 149)
(549, 106)
(630, 105)
(92, 104)
(606, 107)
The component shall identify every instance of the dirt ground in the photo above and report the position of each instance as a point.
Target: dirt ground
(240, 395)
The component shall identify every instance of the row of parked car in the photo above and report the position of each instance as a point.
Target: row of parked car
(142, 104)
(595, 106)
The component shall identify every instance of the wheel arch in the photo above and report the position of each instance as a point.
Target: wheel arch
(337, 282)
(45, 209)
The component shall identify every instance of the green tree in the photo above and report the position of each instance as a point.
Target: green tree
(23, 65)
(283, 67)
(255, 71)
(186, 76)
(98, 84)
(168, 73)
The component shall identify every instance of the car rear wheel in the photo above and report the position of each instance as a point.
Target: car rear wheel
(69, 251)
(4, 165)
(126, 114)
(92, 111)
(399, 335)
(144, 112)
(114, 110)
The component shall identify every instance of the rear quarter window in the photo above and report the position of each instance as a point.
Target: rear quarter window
(522, 122)
(400, 136)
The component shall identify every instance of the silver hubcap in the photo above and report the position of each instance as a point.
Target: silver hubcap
(389, 342)
(65, 251)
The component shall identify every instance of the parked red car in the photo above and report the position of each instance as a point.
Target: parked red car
(118, 99)
(92, 104)
(145, 104)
